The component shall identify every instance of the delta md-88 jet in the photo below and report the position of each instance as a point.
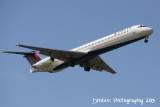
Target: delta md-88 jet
(86, 56)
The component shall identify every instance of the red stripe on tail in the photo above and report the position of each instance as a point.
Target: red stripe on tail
(32, 59)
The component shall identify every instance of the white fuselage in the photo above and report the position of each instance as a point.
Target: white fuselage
(128, 34)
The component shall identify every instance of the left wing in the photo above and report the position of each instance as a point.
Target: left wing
(98, 64)
(58, 54)
(95, 63)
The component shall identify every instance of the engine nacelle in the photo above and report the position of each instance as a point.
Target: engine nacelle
(43, 63)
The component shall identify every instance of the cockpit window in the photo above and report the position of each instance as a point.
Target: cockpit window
(141, 26)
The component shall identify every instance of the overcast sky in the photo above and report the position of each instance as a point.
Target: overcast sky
(66, 24)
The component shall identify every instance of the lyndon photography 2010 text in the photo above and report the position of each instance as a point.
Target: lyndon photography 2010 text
(140, 101)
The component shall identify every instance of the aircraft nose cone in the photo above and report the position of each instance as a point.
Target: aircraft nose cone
(150, 30)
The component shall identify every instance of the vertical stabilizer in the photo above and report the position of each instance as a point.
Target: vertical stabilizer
(32, 58)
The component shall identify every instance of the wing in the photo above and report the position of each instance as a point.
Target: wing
(58, 54)
(98, 64)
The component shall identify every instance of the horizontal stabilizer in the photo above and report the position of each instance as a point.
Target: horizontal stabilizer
(21, 53)
(32, 57)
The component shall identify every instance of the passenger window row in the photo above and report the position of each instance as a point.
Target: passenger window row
(115, 34)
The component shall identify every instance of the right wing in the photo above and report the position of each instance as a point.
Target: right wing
(58, 54)
(98, 64)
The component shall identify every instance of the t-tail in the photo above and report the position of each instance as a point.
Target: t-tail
(32, 57)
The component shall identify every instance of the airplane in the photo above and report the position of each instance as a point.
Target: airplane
(86, 56)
